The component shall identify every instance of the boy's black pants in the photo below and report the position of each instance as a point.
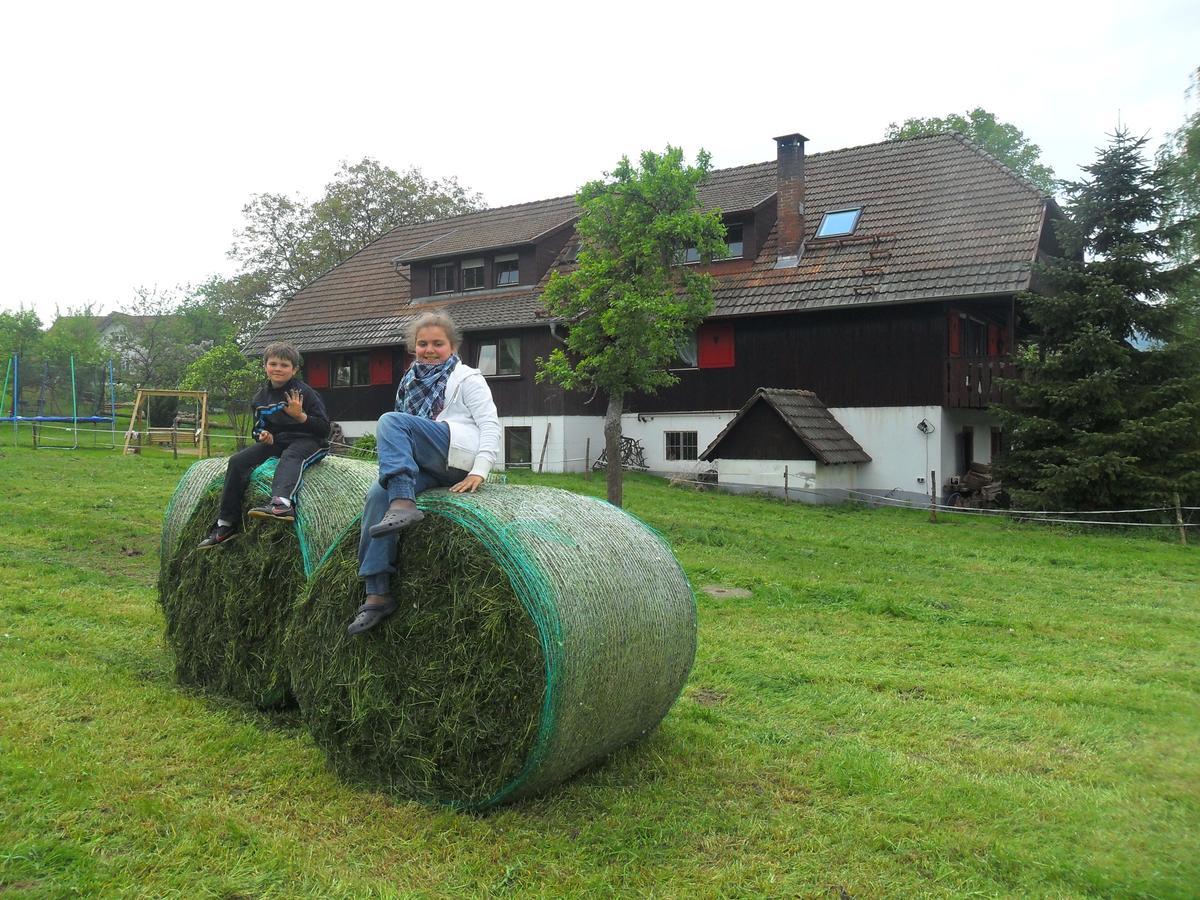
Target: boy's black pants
(295, 456)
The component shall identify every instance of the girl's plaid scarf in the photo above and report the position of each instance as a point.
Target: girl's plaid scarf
(422, 390)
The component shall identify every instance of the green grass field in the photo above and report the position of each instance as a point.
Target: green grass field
(898, 709)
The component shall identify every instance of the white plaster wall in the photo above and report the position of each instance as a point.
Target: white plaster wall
(566, 443)
(981, 423)
(767, 473)
(354, 430)
(651, 430)
(901, 456)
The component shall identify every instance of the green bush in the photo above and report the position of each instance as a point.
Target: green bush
(364, 448)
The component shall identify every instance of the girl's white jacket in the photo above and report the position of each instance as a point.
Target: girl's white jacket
(474, 426)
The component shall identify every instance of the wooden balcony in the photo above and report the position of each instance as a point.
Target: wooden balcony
(972, 382)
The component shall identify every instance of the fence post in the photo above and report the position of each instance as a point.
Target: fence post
(933, 495)
(545, 441)
(587, 460)
(175, 439)
(1179, 520)
(785, 484)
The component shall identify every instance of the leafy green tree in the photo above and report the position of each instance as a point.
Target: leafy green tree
(1004, 141)
(20, 333)
(75, 335)
(152, 340)
(1106, 411)
(225, 308)
(230, 379)
(1179, 161)
(287, 242)
(627, 307)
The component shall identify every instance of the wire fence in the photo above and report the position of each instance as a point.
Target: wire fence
(850, 495)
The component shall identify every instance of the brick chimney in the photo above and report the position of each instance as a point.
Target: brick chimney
(790, 216)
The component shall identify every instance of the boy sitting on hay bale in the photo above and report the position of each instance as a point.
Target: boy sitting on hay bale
(444, 431)
(290, 423)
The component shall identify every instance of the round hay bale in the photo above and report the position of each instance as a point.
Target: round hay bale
(226, 609)
(538, 631)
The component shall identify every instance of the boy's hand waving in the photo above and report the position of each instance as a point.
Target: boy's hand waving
(295, 404)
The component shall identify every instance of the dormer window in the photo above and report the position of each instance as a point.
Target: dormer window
(839, 222)
(443, 278)
(472, 275)
(508, 270)
(734, 246)
(733, 239)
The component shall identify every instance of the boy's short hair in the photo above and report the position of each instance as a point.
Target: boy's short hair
(283, 350)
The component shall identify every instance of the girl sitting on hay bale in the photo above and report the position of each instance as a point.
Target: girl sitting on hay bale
(444, 432)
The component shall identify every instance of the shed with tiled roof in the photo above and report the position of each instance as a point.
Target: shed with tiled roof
(785, 424)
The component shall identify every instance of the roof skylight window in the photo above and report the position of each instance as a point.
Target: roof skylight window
(839, 222)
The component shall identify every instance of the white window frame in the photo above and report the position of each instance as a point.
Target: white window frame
(834, 212)
(433, 273)
(516, 272)
(683, 446)
(473, 265)
(485, 360)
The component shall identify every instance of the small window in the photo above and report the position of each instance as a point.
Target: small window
(443, 278)
(839, 222)
(685, 353)
(500, 357)
(681, 445)
(351, 369)
(733, 239)
(518, 447)
(472, 275)
(508, 270)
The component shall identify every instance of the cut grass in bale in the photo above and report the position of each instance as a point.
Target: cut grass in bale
(538, 631)
(226, 608)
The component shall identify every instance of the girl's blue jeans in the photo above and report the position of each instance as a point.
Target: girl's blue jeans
(412, 458)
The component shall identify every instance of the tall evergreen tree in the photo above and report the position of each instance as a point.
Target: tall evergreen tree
(1106, 411)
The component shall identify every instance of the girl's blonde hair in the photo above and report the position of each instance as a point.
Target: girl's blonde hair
(437, 318)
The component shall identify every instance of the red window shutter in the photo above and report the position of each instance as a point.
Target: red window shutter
(994, 341)
(714, 346)
(954, 329)
(316, 371)
(381, 367)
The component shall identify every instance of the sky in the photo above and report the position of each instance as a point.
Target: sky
(132, 134)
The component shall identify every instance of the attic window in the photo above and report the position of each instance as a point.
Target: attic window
(733, 240)
(839, 222)
(443, 278)
(472, 274)
(507, 269)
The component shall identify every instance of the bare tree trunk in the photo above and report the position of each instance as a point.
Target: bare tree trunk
(612, 446)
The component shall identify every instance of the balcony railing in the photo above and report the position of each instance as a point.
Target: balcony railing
(972, 382)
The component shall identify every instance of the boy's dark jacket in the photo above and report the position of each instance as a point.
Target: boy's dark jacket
(269, 415)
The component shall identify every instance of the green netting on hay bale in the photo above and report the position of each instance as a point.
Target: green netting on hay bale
(538, 631)
(227, 608)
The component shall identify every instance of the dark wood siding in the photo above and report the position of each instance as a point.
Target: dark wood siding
(355, 404)
(547, 251)
(522, 395)
(893, 356)
(873, 357)
(762, 434)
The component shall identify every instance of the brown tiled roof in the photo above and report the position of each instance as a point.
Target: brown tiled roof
(494, 228)
(740, 189)
(941, 219)
(807, 416)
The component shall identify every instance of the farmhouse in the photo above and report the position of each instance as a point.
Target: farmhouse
(881, 280)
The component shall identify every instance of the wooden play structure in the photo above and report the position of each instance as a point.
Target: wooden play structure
(187, 429)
